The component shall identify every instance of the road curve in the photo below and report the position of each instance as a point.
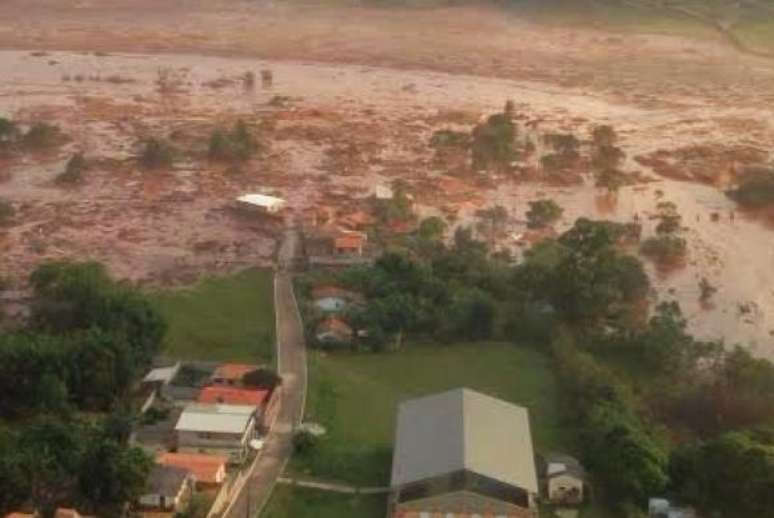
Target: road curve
(291, 360)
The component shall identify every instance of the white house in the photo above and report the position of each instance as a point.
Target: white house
(564, 478)
(218, 428)
(262, 202)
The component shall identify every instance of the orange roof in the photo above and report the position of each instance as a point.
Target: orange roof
(19, 515)
(336, 325)
(233, 396)
(204, 467)
(66, 513)
(349, 241)
(233, 371)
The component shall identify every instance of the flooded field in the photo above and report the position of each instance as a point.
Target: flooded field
(330, 133)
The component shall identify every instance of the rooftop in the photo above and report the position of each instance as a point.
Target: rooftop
(233, 396)
(262, 200)
(166, 480)
(463, 430)
(204, 467)
(162, 374)
(205, 417)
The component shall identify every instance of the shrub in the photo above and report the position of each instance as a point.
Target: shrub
(237, 145)
(305, 442)
(73, 172)
(6, 211)
(542, 213)
(493, 142)
(664, 248)
(264, 378)
(755, 189)
(41, 135)
(9, 132)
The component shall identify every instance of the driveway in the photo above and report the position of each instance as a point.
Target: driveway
(263, 474)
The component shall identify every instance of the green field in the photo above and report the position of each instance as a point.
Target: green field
(295, 502)
(355, 396)
(224, 318)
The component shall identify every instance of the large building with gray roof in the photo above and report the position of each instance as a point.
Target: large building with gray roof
(460, 454)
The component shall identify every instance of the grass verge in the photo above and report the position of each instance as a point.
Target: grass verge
(355, 396)
(296, 502)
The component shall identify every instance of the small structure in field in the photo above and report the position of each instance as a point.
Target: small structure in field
(334, 331)
(563, 478)
(262, 203)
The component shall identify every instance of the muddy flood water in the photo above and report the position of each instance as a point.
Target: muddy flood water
(151, 226)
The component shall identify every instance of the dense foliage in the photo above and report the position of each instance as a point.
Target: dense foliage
(89, 340)
(51, 462)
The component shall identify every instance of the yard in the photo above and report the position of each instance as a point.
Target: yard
(294, 502)
(221, 319)
(355, 396)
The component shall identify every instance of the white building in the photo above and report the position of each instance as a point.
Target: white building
(262, 202)
(227, 429)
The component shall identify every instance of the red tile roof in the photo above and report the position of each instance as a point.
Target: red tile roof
(349, 241)
(206, 468)
(233, 396)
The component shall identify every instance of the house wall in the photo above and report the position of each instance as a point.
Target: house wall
(191, 441)
(459, 504)
(270, 410)
(565, 488)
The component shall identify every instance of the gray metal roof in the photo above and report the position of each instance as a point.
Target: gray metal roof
(202, 417)
(463, 429)
(165, 480)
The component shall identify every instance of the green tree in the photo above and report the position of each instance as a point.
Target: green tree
(112, 475)
(543, 213)
(732, 473)
(41, 135)
(81, 295)
(493, 142)
(432, 228)
(236, 145)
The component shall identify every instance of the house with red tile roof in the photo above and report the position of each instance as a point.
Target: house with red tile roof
(209, 470)
(233, 396)
(334, 331)
(264, 400)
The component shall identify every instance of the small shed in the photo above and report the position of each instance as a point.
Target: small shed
(263, 202)
(563, 477)
(168, 488)
(334, 331)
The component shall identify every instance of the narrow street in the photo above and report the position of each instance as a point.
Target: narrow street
(263, 474)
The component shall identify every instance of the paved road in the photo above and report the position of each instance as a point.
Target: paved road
(292, 367)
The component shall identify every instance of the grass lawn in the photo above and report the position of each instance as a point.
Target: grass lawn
(296, 502)
(224, 318)
(355, 396)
